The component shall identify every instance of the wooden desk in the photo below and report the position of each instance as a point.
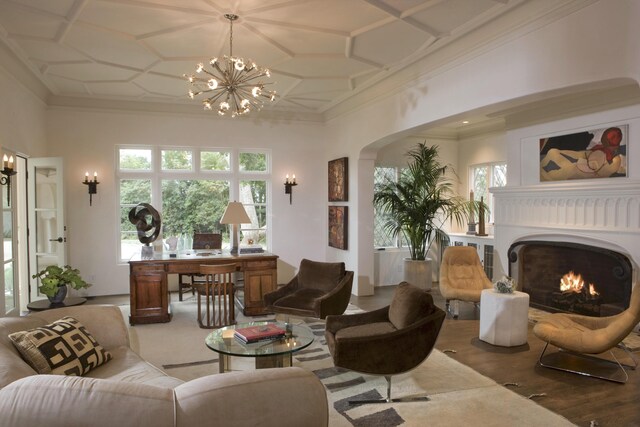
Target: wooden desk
(149, 290)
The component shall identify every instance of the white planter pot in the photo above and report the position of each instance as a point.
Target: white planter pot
(418, 273)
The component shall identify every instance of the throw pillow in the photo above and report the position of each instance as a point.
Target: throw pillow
(409, 304)
(64, 347)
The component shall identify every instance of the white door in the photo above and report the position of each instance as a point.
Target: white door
(47, 240)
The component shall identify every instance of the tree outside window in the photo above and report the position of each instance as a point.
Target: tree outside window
(484, 176)
(187, 202)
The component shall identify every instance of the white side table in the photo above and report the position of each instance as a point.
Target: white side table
(504, 318)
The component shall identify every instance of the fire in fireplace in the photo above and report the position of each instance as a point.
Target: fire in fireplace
(571, 277)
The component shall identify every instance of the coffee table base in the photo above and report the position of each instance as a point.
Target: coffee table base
(262, 362)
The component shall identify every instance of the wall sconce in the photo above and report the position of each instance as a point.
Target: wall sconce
(288, 186)
(93, 185)
(8, 172)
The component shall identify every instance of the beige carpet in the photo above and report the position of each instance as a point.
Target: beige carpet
(459, 395)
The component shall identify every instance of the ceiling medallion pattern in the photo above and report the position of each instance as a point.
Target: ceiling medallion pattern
(231, 85)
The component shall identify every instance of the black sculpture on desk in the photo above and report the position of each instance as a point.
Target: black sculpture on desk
(138, 215)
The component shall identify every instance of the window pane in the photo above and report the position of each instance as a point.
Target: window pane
(499, 176)
(135, 159)
(381, 238)
(176, 159)
(253, 195)
(9, 299)
(215, 161)
(8, 235)
(480, 184)
(132, 192)
(190, 206)
(253, 162)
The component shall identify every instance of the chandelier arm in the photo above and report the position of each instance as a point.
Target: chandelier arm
(215, 97)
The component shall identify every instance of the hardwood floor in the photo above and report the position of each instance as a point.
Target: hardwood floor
(579, 399)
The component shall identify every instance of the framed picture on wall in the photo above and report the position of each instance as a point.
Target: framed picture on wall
(593, 153)
(338, 226)
(339, 180)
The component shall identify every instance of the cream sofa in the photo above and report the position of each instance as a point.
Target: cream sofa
(127, 391)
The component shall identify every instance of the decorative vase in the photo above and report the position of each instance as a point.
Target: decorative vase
(418, 273)
(59, 296)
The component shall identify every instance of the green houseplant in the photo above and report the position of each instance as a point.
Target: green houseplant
(417, 206)
(54, 281)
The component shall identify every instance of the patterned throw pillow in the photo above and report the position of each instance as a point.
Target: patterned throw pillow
(64, 347)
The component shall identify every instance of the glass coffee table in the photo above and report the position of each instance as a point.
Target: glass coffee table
(275, 353)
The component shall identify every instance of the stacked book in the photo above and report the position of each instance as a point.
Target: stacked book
(251, 249)
(256, 333)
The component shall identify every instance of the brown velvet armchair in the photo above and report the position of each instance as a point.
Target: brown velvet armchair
(319, 289)
(462, 277)
(387, 341)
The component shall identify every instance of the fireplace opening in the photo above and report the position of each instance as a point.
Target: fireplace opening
(572, 277)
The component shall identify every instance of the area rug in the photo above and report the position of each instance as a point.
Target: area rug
(459, 395)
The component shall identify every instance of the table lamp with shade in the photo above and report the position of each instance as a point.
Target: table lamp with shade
(235, 215)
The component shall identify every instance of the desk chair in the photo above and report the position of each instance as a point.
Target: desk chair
(200, 241)
(218, 293)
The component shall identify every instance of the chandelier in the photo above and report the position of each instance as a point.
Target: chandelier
(231, 84)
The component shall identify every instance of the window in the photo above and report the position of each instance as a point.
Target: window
(484, 176)
(381, 237)
(191, 188)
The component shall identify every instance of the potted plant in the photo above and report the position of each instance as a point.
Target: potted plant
(54, 281)
(418, 204)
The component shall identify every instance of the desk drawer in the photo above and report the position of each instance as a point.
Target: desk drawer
(146, 268)
(260, 265)
(183, 268)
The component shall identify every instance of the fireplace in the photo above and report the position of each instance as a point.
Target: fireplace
(572, 277)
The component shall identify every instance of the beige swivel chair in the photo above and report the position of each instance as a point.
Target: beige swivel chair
(217, 294)
(319, 289)
(577, 335)
(200, 241)
(387, 341)
(462, 277)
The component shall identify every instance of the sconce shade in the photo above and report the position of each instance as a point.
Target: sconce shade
(235, 214)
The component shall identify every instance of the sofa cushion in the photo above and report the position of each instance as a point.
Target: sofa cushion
(409, 304)
(366, 330)
(64, 347)
(320, 275)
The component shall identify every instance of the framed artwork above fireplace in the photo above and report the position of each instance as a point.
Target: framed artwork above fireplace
(593, 153)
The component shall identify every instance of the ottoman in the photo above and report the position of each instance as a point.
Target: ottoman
(504, 318)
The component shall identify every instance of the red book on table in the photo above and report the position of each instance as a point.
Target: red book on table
(259, 332)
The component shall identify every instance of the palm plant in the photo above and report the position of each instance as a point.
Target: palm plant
(420, 202)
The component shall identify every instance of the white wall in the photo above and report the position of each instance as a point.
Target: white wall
(22, 118)
(87, 141)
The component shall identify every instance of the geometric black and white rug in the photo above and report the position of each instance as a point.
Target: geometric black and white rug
(459, 395)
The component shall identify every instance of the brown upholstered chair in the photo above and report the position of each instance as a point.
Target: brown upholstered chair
(577, 335)
(319, 289)
(387, 341)
(200, 241)
(462, 277)
(217, 292)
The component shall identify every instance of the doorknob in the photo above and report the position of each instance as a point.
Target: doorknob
(59, 240)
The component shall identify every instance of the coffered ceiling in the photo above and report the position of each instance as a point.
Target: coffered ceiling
(320, 52)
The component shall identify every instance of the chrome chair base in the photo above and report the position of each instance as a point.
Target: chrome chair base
(577, 363)
(389, 399)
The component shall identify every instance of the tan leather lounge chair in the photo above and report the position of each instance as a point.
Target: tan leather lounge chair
(462, 277)
(577, 335)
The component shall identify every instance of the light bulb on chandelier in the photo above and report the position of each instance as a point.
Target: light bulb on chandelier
(235, 85)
